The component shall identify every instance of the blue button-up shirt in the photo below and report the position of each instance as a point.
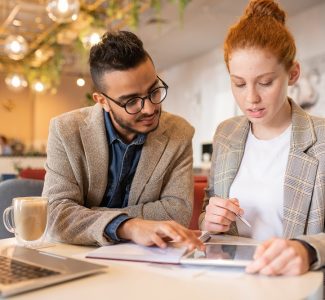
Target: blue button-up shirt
(123, 162)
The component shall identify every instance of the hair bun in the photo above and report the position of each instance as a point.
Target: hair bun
(262, 8)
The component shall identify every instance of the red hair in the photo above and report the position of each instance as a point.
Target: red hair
(262, 26)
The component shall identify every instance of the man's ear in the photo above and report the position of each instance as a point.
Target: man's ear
(294, 73)
(101, 100)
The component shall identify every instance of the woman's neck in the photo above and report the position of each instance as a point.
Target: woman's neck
(275, 127)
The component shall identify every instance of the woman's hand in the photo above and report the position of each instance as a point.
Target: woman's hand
(220, 213)
(280, 257)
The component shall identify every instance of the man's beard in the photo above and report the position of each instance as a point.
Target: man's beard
(126, 125)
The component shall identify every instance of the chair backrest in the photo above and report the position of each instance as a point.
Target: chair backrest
(200, 183)
(12, 188)
(32, 173)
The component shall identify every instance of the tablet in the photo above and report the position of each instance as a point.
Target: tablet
(221, 254)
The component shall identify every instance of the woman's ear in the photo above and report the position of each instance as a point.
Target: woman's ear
(294, 73)
(101, 100)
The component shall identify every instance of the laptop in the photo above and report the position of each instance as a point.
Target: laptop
(221, 254)
(23, 269)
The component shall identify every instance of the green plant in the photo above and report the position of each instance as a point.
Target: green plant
(116, 15)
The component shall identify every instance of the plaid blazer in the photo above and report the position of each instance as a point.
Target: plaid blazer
(304, 183)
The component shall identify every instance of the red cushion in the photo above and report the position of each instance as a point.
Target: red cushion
(200, 178)
(200, 183)
(32, 173)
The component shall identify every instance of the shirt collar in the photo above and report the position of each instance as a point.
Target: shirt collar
(113, 135)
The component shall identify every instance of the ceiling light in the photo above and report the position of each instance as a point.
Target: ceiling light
(63, 11)
(41, 56)
(16, 81)
(92, 36)
(16, 47)
(80, 81)
(16, 22)
(38, 86)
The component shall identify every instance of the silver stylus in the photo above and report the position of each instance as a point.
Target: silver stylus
(244, 221)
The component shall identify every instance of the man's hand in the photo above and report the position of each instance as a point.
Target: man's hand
(148, 233)
(280, 257)
(220, 213)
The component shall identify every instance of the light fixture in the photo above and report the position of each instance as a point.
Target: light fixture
(41, 55)
(80, 82)
(63, 11)
(16, 22)
(38, 86)
(91, 36)
(16, 47)
(16, 82)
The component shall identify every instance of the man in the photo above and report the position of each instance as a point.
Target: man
(114, 167)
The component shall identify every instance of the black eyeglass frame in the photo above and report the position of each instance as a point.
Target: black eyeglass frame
(142, 98)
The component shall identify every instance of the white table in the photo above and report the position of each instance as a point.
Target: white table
(132, 281)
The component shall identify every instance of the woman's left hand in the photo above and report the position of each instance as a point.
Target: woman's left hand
(280, 257)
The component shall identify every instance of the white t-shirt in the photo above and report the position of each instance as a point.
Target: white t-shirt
(259, 185)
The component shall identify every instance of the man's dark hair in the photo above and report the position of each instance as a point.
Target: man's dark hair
(121, 50)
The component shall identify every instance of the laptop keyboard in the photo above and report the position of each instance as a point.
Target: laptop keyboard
(14, 271)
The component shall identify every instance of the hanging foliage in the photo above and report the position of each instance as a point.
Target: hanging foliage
(46, 60)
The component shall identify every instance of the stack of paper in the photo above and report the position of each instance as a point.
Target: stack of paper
(133, 252)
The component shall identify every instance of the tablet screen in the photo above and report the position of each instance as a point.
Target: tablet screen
(225, 252)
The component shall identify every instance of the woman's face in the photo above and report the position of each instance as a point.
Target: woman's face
(259, 84)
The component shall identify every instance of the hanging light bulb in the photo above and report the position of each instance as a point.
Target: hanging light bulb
(38, 86)
(16, 47)
(80, 82)
(63, 11)
(92, 36)
(16, 81)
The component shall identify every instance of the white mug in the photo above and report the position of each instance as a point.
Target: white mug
(27, 218)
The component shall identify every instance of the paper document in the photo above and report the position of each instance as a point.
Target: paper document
(133, 252)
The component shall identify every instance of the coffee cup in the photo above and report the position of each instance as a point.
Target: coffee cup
(27, 218)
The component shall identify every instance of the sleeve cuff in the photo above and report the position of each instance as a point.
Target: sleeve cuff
(112, 227)
(312, 254)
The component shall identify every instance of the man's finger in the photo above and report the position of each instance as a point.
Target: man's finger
(166, 230)
(157, 240)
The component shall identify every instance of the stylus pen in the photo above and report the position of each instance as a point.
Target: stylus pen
(244, 221)
(205, 236)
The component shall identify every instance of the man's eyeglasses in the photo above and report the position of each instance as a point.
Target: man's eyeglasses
(136, 104)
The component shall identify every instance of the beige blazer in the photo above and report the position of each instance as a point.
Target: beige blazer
(304, 184)
(77, 170)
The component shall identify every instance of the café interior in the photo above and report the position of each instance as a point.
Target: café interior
(44, 68)
(44, 71)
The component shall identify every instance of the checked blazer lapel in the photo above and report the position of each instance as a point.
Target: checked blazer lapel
(229, 158)
(300, 174)
(228, 161)
(94, 140)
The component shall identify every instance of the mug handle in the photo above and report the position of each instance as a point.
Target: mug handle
(7, 216)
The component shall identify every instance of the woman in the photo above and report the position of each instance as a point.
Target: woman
(268, 165)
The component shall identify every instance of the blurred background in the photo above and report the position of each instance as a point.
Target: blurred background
(44, 46)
